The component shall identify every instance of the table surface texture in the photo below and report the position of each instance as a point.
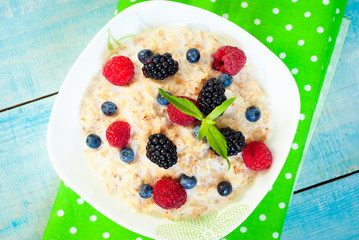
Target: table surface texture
(36, 35)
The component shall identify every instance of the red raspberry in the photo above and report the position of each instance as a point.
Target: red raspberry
(118, 70)
(228, 59)
(169, 193)
(118, 134)
(179, 117)
(257, 156)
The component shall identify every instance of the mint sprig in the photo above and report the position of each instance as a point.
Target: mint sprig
(110, 36)
(184, 105)
(214, 137)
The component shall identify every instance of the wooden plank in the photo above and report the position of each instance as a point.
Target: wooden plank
(26, 217)
(326, 212)
(334, 149)
(40, 40)
(24, 160)
(29, 182)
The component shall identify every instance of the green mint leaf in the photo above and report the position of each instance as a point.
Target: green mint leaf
(114, 39)
(126, 37)
(202, 132)
(109, 44)
(218, 143)
(182, 104)
(209, 121)
(220, 109)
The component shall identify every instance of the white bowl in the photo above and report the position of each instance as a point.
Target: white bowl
(64, 139)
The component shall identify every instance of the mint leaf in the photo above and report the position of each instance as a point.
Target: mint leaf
(126, 36)
(218, 143)
(202, 132)
(109, 44)
(220, 109)
(182, 104)
(110, 35)
(209, 121)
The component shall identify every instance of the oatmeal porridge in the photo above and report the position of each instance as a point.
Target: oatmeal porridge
(137, 104)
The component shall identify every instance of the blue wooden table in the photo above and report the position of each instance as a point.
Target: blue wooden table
(38, 45)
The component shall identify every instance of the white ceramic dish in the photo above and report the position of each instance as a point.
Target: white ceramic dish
(64, 137)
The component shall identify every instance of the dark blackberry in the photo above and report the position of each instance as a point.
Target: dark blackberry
(161, 150)
(160, 66)
(211, 96)
(235, 141)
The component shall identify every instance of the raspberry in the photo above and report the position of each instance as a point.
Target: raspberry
(179, 117)
(168, 193)
(257, 156)
(118, 134)
(228, 59)
(118, 70)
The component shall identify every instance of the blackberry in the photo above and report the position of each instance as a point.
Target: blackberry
(161, 150)
(160, 66)
(235, 141)
(211, 96)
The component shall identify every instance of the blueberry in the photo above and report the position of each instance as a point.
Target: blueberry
(224, 188)
(126, 154)
(193, 55)
(93, 141)
(226, 79)
(144, 55)
(161, 100)
(253, 114)
(195, 130)
(188, 182)
(145, 191)
(109, 108)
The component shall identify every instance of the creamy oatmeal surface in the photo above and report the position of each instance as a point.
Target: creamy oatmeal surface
(137, 105)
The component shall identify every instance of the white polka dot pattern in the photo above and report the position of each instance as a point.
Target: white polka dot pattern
(294, 146)
(314, 58)
(60, 213)
(93, 218)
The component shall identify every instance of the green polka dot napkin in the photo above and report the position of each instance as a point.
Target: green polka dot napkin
(304, 34)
